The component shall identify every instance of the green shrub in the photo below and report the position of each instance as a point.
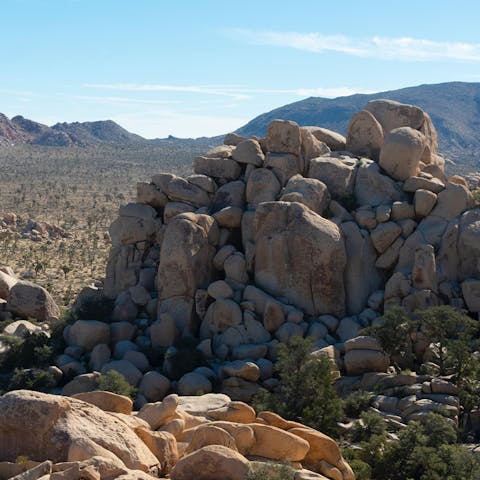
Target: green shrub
(423, 451)
(31, 379)
(450, 329)
(362, 470)
(395, 334)
(57, 342)
(476, 196)
(94, 308)
(356, 403)
(370, 424)
(271, 471)
(305, 392)
(115, 382)
(31, 351)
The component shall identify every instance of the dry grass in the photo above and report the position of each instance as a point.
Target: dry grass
(79, 190)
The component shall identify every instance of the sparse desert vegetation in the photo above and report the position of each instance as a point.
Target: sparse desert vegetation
(80, 190)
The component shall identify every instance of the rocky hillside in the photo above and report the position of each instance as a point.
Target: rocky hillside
(454, 108)
(20, 130)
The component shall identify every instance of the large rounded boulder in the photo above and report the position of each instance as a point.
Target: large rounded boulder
(300, 256)
(43, 426)
(401, 152)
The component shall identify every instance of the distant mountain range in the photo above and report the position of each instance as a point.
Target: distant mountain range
(454, 108)
(20, 130)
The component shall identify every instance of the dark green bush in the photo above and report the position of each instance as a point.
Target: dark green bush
(450, 329)
(94, 308)
(271, 471)
(423, 451)
(31, 351)
(57, 342)
(305, 392)
(356, 403)
(362, 470)
(370, 424)
(115, 382)
(31, 379)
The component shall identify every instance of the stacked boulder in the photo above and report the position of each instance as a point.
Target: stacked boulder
(406, 397)
(96, 436)
(297, 233)
(24, 300)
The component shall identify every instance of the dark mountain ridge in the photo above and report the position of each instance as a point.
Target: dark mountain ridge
(21, 130)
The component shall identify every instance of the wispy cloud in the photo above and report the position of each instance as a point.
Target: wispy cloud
(237, 93)
(121, 101)
(402, 48)
(135, 87)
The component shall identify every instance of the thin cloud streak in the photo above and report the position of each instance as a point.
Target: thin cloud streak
(120, 101)
(134, 87)
(384, 48)
(237, 93)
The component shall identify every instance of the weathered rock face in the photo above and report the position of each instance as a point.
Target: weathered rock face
(401, 152)
(185, 264)
(309, 191)
(187, 253)
(334, 140)
(32, 301)
(311, 146)
(136, 223)
(300, 256)
(211, 462)
(373, 188)
(207, 436)
(469, 245)
(391, 114)
(365, 135)
(337, 174)
(88, 333)
(361, 277)
(59, 423)
(283, 136)
(6, 283)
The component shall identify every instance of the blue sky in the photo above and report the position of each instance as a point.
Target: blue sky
(200, 67)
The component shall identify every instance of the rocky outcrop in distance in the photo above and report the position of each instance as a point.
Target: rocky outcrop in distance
(30, 229)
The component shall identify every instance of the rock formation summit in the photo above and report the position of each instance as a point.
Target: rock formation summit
(297, 233)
